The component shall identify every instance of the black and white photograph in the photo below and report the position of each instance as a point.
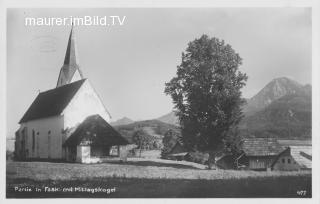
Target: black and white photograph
(174, 102)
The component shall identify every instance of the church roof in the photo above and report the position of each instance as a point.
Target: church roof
(94, 130)
(51, 102)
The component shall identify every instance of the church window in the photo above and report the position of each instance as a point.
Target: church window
(38, 147)
(37, 133)
(49, 132)
(289, 161)
(33, 140)
(49, 149)
(283, 161)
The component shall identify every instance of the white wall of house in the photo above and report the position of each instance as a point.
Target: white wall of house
(44, 138)
(86, 102)
(286, 163)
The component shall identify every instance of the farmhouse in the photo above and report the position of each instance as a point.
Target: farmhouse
(54, 126)
(260, 153)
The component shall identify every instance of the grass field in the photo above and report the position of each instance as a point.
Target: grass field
(150, 178)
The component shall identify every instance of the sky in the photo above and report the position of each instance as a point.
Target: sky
(128, 65)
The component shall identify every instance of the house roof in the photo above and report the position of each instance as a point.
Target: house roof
(287, 142)
(178, 150)
(302, 155)
(262, 147)
(94, 130)
(51, 102)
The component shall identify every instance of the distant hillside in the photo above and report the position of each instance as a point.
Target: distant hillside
(281, 109)
(122, 121)
(155, 128)
(274, 90)
(286, 117)
(169, 118)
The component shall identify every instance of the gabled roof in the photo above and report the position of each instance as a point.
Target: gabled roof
(52, 102)
(94, 130)
(261, 147)
(302, 155)
(178, 150)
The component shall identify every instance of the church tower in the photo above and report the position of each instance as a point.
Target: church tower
(70, 71)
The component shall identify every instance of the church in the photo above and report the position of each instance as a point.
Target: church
(70, 122)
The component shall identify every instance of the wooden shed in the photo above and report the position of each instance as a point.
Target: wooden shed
(178, 152)
(93, 140)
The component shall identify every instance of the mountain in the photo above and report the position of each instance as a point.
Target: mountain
(169, 118)
(282, 109)
(122, 121)
(274, 90)
(289, 116)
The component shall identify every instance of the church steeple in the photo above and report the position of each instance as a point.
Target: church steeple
(70, 70)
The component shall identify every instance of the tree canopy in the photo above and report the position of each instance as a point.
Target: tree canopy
(171, 137)
(206, 93)
(142, 139)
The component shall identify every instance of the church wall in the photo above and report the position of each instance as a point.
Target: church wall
(44, 138)
(19, 143)
(85, 103)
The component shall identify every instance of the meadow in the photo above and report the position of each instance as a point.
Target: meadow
(143, 178)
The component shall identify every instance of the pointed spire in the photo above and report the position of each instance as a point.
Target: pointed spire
(70, 66)
(71, 56)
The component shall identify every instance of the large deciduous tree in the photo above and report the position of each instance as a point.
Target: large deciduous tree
(206, 92)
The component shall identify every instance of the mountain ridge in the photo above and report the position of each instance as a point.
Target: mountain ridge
(122, 121)
(274, 90)
(282, 109)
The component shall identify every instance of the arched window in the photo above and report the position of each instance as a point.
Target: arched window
(33, 140)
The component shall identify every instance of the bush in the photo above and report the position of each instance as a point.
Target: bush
(197, 157)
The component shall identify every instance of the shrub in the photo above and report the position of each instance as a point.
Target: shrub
(197, 157)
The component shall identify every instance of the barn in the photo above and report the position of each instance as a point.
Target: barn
(93, 141)
(260, 153)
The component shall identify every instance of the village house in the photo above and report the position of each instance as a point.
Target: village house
(273, 154)
(69, 122)
(259, 153)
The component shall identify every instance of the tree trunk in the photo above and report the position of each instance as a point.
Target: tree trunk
(212, 160)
